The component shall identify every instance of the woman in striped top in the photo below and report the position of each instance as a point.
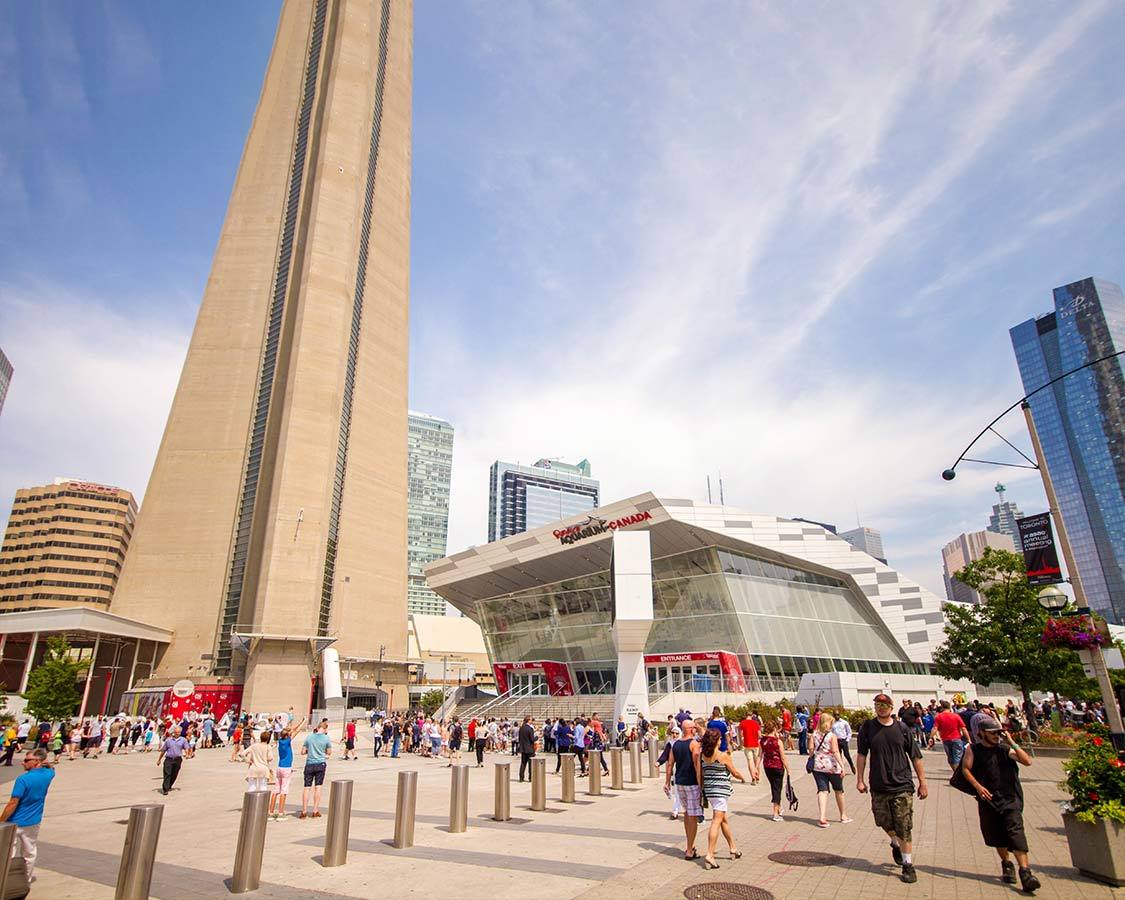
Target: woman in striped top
(717, 770)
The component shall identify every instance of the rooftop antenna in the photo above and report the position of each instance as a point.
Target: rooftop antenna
(722, 502)
(1000, 490)
(708, 489)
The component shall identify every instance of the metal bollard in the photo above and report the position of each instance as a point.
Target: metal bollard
(616, 776)
(7, 836)
(134, 878)
(634, 762)
(653, 765)
(568, 779)
(538, 783)
(459, 799)
(503, 809)
(404, 809)
(339, 822)
(251, 842)
(594, 785)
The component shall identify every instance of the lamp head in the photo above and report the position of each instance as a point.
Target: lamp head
(949, 474)
(1052, 599)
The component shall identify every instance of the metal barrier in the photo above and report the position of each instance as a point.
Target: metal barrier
(503, 808)
(616, 776)
(339, 822)
(653, 766)
(568, 779)
(538, 783)
(134, 878)
(405, 802)
(7, 837)
(634, 762)
(594, 785)
(251, 842)
(459, 799)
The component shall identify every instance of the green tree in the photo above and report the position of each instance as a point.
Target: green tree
(999, 640)
(52, 687)
(431, 700)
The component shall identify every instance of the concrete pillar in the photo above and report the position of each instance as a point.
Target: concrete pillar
(27, 663)
(89, 678)
(632, 620)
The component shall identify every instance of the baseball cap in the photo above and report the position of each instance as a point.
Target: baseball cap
(883, 698)
(989, 724)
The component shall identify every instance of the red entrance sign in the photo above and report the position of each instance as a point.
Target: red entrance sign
(729, 665)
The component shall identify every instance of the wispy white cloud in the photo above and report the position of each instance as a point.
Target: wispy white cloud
(91, 390)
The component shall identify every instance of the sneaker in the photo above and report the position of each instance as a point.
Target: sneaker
(778, 818)
(1028, 881)
(908, 873)
(1008, 871)
(896, 854)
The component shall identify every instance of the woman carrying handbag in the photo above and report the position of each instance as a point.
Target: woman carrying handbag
(827, 767)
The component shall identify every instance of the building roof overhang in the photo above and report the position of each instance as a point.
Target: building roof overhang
(81, 619)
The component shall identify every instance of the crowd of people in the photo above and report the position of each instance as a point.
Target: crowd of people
(981, 743)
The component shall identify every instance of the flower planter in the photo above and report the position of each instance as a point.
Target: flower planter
(1097, 850)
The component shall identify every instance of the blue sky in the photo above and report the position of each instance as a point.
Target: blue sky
(781, 241)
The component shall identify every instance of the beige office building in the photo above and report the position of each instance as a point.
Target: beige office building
(961, 551)
(65, 545)
(274, 524)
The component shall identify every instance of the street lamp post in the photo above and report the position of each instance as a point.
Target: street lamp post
(1101, 673)
(1097, 660)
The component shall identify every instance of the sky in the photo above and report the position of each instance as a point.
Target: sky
(780, 242)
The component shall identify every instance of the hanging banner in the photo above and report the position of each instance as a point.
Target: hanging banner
(1040, 557)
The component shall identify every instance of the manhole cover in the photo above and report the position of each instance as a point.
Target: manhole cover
(726, 890)
(806, 858)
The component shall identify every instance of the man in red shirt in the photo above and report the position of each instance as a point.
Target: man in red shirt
(953, 733)
(750, 728)
(787, 727)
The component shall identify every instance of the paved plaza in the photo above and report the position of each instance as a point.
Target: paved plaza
(619, 846)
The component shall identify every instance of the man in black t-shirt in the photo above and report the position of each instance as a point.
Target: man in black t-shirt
(893, 751)
(991, 766)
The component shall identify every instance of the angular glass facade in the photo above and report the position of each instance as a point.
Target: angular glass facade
(429, 469)
(779, 621)
(1081, 424)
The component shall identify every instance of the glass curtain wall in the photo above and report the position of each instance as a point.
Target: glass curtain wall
(778, 620)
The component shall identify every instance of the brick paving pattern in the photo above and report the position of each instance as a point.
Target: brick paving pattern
(621, 846)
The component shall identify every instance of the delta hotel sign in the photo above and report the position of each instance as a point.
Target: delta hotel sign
(592, 526)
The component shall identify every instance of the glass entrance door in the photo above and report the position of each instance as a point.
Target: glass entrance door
(528, 683)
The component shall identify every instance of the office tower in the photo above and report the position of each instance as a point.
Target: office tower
(525, 497)
(1081, 424)
(65, 545)
(274, 523)
(1003, 518)
(868, 540)
(6, 371)
(961, 551)
(429, 464)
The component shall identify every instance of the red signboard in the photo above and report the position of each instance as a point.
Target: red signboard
(221, 697)
(556, 674)
(728, 662)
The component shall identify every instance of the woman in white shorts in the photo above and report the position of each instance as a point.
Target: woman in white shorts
(717, 770)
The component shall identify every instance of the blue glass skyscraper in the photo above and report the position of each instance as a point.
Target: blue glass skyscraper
(1081, 424)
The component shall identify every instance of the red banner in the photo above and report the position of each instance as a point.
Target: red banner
(556, 674)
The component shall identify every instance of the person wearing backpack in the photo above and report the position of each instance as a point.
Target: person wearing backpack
(891, 747)
(455, 734)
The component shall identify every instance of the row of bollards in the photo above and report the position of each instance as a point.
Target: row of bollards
(134, 878)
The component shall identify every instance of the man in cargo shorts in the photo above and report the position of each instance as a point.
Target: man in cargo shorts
(892, 750)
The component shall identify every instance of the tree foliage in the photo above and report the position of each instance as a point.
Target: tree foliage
(431, 701)
(52, 687)
(999, 640)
